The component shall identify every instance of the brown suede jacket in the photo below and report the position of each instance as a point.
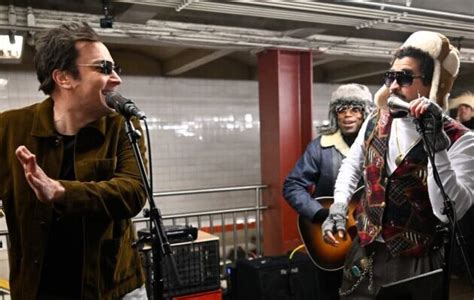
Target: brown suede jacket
(108, 192)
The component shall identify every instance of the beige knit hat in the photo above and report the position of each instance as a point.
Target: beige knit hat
(446, 66)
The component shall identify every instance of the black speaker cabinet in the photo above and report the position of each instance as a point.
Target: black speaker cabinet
(275, 277)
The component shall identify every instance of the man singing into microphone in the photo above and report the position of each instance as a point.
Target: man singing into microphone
(396, 218)
(69, 181)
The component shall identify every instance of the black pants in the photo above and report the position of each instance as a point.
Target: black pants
(466, 225)
(329, 283)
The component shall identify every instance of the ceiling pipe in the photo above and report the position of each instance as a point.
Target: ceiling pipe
(330, 19)
(322, 8)
(250, 10)
(308, 12)
(411, 9)
(183, 5)
(339, 13)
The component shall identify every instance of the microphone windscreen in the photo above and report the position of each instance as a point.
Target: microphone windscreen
(114, 100)
(397, 103)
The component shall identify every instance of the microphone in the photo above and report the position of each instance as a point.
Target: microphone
(124, 106)
(397, 103)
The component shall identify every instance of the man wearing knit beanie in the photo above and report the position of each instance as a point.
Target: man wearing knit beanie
(315, 172)
(403, 204)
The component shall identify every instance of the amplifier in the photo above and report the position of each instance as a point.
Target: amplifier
(181, 233)
(275, 277)
(197, 265)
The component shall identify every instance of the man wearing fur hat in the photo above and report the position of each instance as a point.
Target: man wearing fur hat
(464, 105)
(397, 216)
(315, 172)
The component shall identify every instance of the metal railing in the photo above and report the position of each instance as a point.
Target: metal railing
(229, 226)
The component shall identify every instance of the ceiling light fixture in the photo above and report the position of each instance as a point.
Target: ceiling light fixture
(11, 47)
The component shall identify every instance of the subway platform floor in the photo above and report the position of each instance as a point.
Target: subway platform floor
(461, 289)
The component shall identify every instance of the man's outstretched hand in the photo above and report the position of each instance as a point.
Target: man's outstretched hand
(45, 188)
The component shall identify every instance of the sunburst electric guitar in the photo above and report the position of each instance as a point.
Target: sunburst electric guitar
(325, 256)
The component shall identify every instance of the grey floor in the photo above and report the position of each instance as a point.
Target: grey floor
(461, 289)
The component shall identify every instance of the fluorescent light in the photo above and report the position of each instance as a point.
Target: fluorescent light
(11, 52)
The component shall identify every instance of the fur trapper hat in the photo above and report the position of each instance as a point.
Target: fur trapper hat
(466, 99)
(348, 94)
(446, 66)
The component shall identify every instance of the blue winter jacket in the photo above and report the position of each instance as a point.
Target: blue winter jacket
(315, 173)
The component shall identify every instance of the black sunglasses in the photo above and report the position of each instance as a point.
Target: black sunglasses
(106, 67)
(402, 78)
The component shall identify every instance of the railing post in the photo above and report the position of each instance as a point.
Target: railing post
(224, 256)
(258, 219)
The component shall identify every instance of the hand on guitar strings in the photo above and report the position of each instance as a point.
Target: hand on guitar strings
(335, 222)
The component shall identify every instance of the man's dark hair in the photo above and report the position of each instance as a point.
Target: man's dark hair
(425, 60)
(56, 49)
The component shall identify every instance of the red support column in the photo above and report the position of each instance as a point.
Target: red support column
(285, 92)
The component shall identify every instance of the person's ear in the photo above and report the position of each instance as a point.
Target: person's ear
(62, 78)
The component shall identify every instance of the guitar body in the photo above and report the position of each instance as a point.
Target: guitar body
(325, 256)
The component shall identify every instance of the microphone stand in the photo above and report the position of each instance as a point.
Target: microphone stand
(449, 231)
(159, 241)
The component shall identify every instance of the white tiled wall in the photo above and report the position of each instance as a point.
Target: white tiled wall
(204, 133)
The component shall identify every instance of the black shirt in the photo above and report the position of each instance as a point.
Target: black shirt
(61, 274)
(469, 124)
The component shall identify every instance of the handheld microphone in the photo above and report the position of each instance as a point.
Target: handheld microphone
(123, 106)
(398, 104)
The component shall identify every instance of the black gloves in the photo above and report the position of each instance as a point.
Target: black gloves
(432, 123)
